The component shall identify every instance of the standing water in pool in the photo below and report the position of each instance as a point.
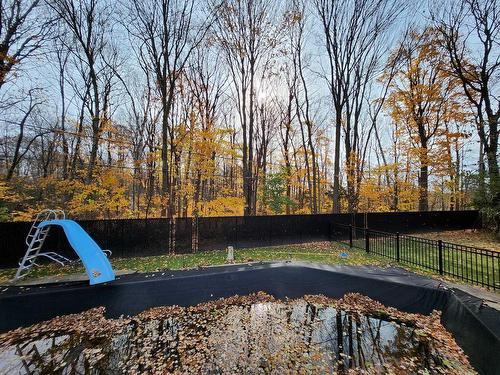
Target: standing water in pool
(252, 334)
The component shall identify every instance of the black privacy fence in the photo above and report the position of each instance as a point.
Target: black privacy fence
(144, 237)
(470, 264)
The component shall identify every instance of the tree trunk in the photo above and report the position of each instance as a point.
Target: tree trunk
(93, 150)
(491, 157)
(423, 181)
(336, 164)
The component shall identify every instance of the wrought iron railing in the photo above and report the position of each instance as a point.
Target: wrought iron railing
(470, 264)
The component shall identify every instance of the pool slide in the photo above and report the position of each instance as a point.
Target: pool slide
(93, 258)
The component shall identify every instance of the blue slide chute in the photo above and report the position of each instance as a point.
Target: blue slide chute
(93, 258)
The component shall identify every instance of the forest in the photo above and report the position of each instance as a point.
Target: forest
(178, 108)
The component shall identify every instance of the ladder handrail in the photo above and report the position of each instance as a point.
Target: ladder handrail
(37, 234)
(43, 215)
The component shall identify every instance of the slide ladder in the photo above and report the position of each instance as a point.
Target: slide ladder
(35, 239)
(92, 256)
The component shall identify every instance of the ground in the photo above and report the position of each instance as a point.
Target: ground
(320, 252)
(332, 253)
(469, 237)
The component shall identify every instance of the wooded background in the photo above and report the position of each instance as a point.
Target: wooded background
(172, 108)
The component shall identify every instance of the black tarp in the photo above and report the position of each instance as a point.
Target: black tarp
(475, 326)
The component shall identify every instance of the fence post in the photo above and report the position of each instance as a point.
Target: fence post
(236, 233)
(440, 248)
(122, 235)
(350, 236)
(367, 240)
(194, 234)
(397, 248)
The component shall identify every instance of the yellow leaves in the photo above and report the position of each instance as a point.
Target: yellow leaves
(374, 197)
(424, 103)
(25, 215)
(7, 194)
(456, 135)
(223, 206)
(390, 167)
(10, 200)
(424, 94)
(105, 197)
(352, 165)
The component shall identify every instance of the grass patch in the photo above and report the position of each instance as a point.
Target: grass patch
(320, 252)
(421, 255)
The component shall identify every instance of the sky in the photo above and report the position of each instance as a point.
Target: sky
(41, 73)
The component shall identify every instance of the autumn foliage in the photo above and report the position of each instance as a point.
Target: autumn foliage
(246, 107)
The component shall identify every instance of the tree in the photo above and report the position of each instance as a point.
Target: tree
(89, 24)
(245, 31)
(180, 108)
(275, 192)
(384, 82)
(287, 115)
(470, 32)
(354, 35)
(420, 99)
(167, 32)
(23, 31)
(62, 56)
(206, 83)
(303, 104)
(21, 145)
(142, 117)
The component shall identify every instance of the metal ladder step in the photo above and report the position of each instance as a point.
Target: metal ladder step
(35, 240)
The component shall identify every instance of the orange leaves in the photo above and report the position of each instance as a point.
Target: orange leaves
(424, 95)
(427, 107)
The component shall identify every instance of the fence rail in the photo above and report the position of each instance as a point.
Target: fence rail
(144, 237)
(470, 264)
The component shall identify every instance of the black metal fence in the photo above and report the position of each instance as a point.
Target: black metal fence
(470, 264)
(143, 237)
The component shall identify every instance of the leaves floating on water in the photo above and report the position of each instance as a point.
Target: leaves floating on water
(240, 334)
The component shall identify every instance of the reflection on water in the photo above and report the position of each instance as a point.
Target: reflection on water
(263, 337)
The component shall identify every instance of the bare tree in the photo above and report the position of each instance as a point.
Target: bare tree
(142, 116)
(355, 39)
(471, 35)
(167, 32)
(287, 115)
(376, 105)
(89, 25)
(23, 31)
(62, 56)
(266, 118)
(246, 30)
(303, 105)
(206, 82)
(22, 144)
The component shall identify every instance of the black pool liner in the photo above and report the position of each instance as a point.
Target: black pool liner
(476, 327)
